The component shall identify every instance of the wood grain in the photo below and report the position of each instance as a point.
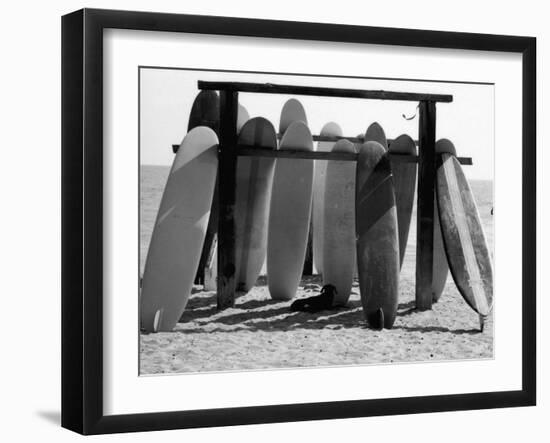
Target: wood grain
(229, 102)
(270, 88)
(465, 243)
(425, 206)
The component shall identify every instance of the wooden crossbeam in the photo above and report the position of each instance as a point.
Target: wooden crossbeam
(320, 138)
(253, 151)
(270, 88)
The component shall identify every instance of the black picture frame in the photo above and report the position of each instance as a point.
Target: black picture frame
(82, 219)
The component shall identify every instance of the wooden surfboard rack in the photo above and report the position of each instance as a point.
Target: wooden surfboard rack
(229, 150)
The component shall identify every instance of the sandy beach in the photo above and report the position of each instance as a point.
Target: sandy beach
(260, 333)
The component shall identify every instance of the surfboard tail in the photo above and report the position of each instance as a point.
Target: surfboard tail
(380, 318)
(376, 319)
(482, 320)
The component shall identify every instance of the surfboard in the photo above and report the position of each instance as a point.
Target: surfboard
(205, 111)
(465, 243)
(317, 221)
(242, 117)
(375, 133)
(289, 215)
(377, 236)
(339, 224)
(404, 180)
(179, 231)
(253, 195)
(292, 111)
(440, 265)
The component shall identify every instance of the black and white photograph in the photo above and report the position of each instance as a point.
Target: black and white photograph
(273, 221)
(306, 221)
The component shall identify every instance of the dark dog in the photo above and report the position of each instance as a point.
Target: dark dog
(316, 303)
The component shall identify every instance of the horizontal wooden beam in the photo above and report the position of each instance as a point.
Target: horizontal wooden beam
(335, 138)
(252, 151)
(321, 138)
(270, 88)
(465, 161)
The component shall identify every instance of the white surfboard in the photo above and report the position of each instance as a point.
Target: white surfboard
(294, 111)
(289, 215)
(404, 180)
(329, 129)
(339, 249)
(253, 194)
(179, 231)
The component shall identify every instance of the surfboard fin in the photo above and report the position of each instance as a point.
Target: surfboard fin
(380, 318)
(157, 320)
(481, 322)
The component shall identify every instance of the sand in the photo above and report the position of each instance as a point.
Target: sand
(260, 333)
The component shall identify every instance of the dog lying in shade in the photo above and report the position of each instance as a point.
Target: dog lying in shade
(316, 303)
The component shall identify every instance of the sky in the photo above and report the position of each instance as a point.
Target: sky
(166, 97)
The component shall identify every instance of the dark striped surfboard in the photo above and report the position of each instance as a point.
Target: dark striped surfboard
(465, 243)
(377, 236)
(375, 133)
(440, 266)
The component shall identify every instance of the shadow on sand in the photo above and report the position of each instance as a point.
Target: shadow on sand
(472, 331)
(274, 315)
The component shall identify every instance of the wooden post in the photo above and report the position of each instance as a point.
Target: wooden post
(425, 205)
(227, 168)
(308, 261)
